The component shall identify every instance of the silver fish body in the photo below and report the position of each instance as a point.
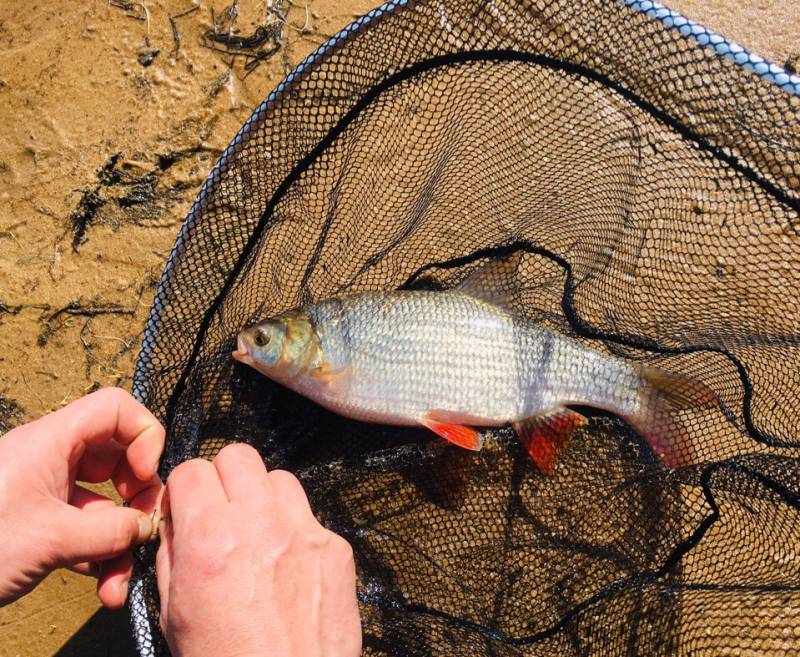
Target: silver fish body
(409, 353)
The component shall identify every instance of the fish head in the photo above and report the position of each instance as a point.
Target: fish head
(280, 347)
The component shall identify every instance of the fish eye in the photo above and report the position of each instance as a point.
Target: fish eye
(261, 338)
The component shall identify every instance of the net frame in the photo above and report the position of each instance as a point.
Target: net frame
(291, 90)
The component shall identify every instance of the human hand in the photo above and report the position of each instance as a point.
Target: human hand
(244, 568)
(47, 521)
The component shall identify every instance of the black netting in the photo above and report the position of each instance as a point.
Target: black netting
(650, 173)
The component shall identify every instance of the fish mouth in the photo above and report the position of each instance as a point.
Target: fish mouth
(241, 354)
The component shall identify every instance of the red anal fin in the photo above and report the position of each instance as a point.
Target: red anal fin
(457, 434)
(544, 436)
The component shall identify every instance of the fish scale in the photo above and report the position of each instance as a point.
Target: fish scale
(423, 351)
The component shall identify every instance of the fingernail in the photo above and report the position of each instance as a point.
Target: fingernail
(145, 529)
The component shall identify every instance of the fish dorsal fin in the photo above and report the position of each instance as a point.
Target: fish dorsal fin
(495, 282)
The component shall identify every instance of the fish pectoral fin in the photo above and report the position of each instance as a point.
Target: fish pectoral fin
(458, 434)
(335, 378)
(545, 436)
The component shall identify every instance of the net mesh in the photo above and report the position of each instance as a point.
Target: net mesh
(649, 172)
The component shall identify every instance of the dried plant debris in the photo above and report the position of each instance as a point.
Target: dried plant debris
(254, 47)
(58, 319)
(147, 55)
(97, 355)
(792, 64)
(131, 191)
(136, 10)
(10, 414)
(176, 35)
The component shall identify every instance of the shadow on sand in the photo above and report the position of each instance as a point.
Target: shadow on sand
(106, 634)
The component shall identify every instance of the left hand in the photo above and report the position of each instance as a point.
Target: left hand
(47, 521)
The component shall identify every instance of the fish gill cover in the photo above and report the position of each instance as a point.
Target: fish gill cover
(649, 172)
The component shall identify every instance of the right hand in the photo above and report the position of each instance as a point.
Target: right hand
(245, 569)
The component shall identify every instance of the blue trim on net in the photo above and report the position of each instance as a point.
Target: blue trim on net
(722, 46)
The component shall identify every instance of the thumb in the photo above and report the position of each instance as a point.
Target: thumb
(98, 534)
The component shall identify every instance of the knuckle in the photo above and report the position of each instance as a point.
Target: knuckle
(211, 547)
(341, 548)
(331, 543)
(208, 563)
(178, 616)
(283, 479)
(188, 471)
(239, 450)
(207, 536)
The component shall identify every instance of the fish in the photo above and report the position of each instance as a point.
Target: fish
(462, 359)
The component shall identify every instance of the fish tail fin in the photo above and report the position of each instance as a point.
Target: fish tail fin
(663, 395)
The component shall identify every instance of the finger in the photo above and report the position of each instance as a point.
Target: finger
(113, 575)
(112, 585)
(194, 489)
(129, 485)
(148, 499)
(164, 565)
(289, 496)
(99, 461)
(88, 568)
(165, 508)
(242, 472)
(103, 415)
(96, 535)
(82, 498)
(339, 585)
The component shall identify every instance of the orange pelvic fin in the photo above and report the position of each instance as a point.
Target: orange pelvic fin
(544, 436)
(457, 434)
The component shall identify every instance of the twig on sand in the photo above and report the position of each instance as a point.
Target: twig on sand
(52, 375)
(32, 390)
(10, 230)
(135, 10)
(176, 36)
(15, 309)
(283, 18)
(77, 309)
(87, 347)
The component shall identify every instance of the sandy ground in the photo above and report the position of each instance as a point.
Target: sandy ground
(109, 125)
